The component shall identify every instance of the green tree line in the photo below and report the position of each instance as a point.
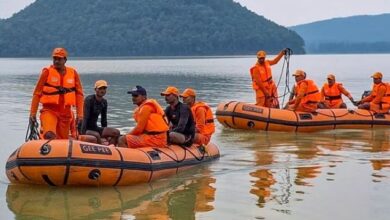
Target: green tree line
(141, 28)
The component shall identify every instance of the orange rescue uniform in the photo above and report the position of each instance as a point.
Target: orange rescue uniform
(57, 93)
(263, 83)
(151, 129)
(379, 98)
(307, 96)
(204, 121)
(331, 95)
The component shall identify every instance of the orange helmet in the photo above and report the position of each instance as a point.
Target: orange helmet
(331, 76)
(188, 92)
(377, 75)
(299, 72)
(59, 52)
(170, 90)
(261, 54)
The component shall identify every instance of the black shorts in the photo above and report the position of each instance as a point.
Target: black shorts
(189, 140)
(97, 129)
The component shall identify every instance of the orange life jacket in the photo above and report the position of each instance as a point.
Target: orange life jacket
(57, 85)
(156, 122)
(312, 94)
(386, 97)
(332, 93)
(209, 127)
(265, 74)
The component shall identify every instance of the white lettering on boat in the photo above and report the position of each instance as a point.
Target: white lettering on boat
(92, 149)
(252, 109)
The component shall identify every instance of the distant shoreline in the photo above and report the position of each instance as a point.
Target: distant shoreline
(185, 57)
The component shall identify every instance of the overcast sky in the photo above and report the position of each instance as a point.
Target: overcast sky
(283, 12)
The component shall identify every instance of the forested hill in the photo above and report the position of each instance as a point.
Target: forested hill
(141, 28)
(356, 34)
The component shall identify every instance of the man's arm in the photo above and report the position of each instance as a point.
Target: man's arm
(345, 92)
(301, 93)
(259, 83)
(143, 117)
(322, 94)
(79, 96)
(103, 119)
(38, 92)
(200, 117)
(277, 58)
(292, 94)
(368, 98)
(380, 94)
(87, 114)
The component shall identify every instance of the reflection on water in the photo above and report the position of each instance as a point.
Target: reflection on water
(159, 200)
(260, 175)
(288, 168)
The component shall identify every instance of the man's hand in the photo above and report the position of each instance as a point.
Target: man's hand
(79, 122)
(353, 101)
(356, 103)
(33, 118)
(286, 51)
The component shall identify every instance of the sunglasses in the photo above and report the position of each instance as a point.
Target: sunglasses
(134, 95)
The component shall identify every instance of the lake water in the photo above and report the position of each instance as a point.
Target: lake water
(340, 174)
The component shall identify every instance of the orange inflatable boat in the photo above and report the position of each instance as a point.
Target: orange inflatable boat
(248, 116)
(72, 162)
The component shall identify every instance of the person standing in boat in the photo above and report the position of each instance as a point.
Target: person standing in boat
(331, 94)
(306, 95)
(151, 129)
(181, 121)
(265, 89)
(379, 99)
(204, 118)
(58, 89)
(95, 105)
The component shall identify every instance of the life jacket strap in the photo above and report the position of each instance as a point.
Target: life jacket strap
(210, 121)
(154, 132)
(332, 97)
(60, 90)
(309, 93)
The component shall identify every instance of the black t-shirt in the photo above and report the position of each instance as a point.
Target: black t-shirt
(181, 118)
(92, 109)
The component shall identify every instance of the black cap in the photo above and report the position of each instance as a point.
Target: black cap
(137, 90)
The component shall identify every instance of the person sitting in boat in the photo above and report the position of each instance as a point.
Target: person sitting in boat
(58, 89)
(151, 129)
(379, 99)
(331, 94)
(95, 105)
(204, 118)
(262, 82)
(306, 95)
(181, 121)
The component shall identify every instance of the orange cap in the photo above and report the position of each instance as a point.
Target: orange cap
(59, 52)
(331, 76)
(299, 73)
(170, 90)
(100, 83)
(261, 54)
(377, 75)
(188, 92)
